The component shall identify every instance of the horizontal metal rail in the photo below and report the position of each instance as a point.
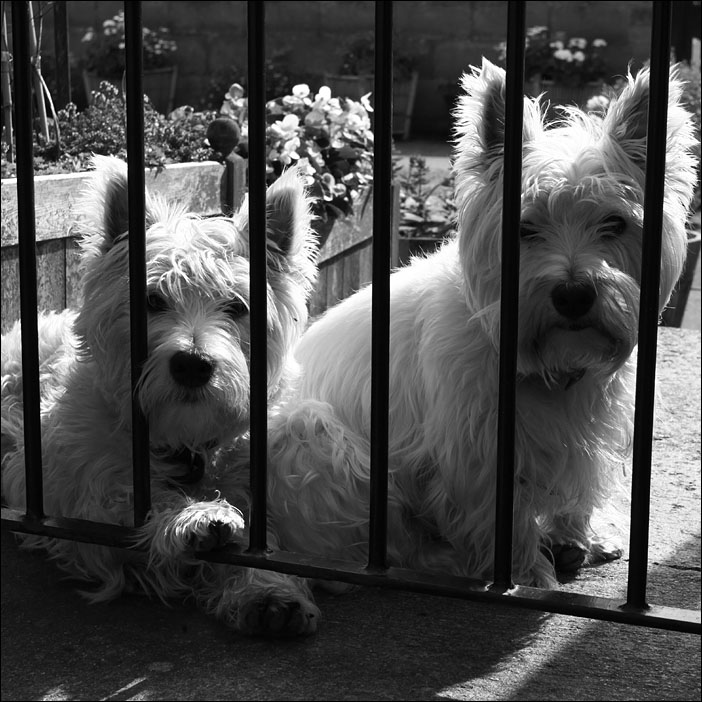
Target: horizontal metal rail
(305, 565)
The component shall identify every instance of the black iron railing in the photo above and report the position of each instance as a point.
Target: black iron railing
(635, 610)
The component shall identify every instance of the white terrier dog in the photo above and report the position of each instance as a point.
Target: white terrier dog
(582, 212)
(193, 389)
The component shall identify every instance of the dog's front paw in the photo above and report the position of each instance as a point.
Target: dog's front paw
(567, 558)
(214, 534)
(272, 616)
(603, 552)
(199, 526)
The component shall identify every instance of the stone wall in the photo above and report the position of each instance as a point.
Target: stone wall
(446, 38)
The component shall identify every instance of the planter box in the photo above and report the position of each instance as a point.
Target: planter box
(673, 314)
(346, 257)
(197, 185)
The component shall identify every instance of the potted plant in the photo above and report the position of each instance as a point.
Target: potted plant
(570, 70)
(355, 79)
(427, 211)
(105, 60)
(329, 137)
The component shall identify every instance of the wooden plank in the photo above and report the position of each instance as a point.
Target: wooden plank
(318, 298)
(195, 185)
(335, 283)
(365, 265)
(51, 275)
(73, 273)
(348, 232)
(9, 286)
(350, 274)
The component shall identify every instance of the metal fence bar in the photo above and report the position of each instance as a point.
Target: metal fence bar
(27, 258)
(137, 252)
(509, 295)
(258, 282)
(649, 301)
(380, 337)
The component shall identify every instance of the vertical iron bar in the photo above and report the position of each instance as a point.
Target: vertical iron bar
(649, 302)
(27, 258)
(380, 339)
(63, 71)
(137, 251)
(509, 295)
(258, 280)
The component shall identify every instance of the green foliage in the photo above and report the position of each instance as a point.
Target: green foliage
(104, 50)
(278, 80)
(426, 210)
(565, 60)
(101, 129)
(328, 137)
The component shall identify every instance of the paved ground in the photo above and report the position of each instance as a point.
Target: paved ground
(386, 645)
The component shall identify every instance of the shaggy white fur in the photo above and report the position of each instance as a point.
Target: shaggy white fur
(193, 389)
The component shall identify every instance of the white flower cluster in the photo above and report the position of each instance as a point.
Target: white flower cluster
(575, 49)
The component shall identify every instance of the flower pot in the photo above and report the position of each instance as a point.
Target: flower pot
(158, 83)
(673, 314)
(404, 92)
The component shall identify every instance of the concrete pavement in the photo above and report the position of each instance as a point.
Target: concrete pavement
(378, 644)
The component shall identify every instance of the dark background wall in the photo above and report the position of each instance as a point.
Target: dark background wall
(445, 37)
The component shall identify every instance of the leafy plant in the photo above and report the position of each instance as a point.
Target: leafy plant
(426, 210)
(104, 53)
(567, 60)
(101, 129)
(329, 137)
(278, 80)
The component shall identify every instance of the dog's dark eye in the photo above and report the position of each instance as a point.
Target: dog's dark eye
(613, 226)
(236, 309)
(156, 303)
(528, 232)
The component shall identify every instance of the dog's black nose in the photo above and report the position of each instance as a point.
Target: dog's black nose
(573, 300)
(191, 369)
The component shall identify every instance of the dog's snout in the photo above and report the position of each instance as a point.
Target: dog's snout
(190, 369)
(573, 300)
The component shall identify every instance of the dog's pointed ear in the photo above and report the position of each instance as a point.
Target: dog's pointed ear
(626, 122)
(106, 203)
(480, 120)
(292, 244)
